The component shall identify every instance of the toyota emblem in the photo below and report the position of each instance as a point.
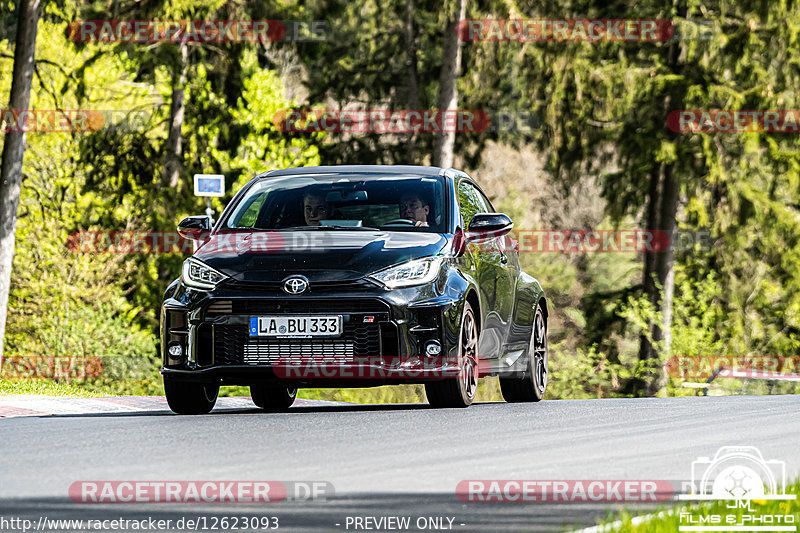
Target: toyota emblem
(295, 285)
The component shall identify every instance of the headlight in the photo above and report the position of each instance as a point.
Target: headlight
(414, 272)
(199, 275)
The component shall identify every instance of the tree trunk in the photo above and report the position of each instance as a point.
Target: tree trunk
(448, 88)
(14, 150)
(659, 282)
(665, 261)
(172, 165)
(659, 272)
(413, 76)
(647, 352)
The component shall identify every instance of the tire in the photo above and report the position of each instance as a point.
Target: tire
(273, 395)
(187, 398)
(533, 384)
(459, 391)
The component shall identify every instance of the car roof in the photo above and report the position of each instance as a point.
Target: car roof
(356, 169)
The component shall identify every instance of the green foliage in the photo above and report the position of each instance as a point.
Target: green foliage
(65, 303)
(578, 373)
(603, 109)
(698, 323)
(43, 387)
(264, 147)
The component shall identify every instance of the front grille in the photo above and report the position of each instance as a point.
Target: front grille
(233, 345)
(262, 353)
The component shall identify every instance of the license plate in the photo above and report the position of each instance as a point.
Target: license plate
(296, 326)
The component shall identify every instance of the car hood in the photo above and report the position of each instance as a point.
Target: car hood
(322, 256)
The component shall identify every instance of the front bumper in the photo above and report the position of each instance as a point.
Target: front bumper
(384, 338)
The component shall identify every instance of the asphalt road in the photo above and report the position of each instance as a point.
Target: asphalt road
(391, 459)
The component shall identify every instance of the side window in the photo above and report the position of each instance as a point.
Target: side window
(471, 201)
(250, 215)
(489, 208)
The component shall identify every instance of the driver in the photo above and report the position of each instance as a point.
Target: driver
(414, 208)
(315, 208)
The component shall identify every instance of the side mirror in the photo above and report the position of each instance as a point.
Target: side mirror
(489, 225)
(195, 227)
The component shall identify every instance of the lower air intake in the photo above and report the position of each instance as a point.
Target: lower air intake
(339, 352)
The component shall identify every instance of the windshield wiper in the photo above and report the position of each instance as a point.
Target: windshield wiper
(367, 228)
(330, 227)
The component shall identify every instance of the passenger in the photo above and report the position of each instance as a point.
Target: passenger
(315, 208)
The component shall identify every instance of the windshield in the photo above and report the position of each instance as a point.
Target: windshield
(336, 201)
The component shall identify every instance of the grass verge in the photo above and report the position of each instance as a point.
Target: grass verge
(44, 387)
(762, 513)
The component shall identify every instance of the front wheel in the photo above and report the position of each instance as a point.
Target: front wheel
(459, 391)
(272, 395)
(187, 398)
(531, 386)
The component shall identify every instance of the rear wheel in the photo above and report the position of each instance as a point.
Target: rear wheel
(531, 386)
(459, 391)
(187, 398)
(273, 395)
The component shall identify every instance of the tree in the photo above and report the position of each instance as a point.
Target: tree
(413, 75)
(443, 153)
(177, 108)
(14, 149)
(389, 55)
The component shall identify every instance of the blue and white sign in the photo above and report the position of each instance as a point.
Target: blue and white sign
(209, 185)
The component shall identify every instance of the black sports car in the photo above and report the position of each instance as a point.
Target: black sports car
(353, 276)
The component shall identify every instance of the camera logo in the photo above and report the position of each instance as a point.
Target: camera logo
(738, 473)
